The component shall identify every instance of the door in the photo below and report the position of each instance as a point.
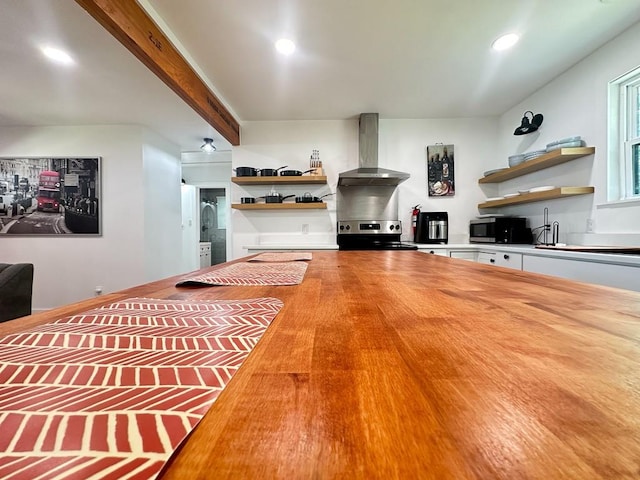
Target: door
(213, 222)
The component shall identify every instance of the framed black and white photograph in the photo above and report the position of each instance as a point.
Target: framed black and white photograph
(50, 196)
(440, 171)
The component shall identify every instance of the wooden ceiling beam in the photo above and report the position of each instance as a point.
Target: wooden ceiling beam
(131, 26)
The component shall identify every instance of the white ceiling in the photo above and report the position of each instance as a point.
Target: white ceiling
(107, 85)
(401, 58)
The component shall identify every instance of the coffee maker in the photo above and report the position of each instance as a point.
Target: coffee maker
(432, 227)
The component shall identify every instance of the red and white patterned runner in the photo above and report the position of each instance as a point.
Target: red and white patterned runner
(111, 393)
(281, 257)
(290, 273)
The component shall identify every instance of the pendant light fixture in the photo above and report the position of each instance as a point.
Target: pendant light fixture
(208, 146)
(529, 125)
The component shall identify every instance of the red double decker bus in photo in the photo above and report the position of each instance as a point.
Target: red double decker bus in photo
(49, 191)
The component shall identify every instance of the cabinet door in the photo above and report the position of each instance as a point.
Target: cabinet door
(619, 276)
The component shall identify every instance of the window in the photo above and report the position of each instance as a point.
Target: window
(624, 136)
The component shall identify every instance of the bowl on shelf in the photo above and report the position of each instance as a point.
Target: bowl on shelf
(574, 139)
(558, 146)
(534, 154)
(491, 172)
(516, 160)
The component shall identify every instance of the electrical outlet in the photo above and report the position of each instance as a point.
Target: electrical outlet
(590, 225)
(305, 228)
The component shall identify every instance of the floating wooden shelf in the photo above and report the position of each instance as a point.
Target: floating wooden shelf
(279, 206)
(280, 180)
(559, 192)
(547, 160)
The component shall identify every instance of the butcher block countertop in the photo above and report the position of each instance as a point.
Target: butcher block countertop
(397, 364)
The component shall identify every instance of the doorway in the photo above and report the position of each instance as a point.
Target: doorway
(213, 222)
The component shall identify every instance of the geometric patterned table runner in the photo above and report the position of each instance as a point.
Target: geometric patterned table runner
(281, 257)
(289, 273)
(112, 392)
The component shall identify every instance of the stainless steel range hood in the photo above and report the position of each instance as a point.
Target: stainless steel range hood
(369, 173)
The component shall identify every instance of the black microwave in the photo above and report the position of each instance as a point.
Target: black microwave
(500, 230)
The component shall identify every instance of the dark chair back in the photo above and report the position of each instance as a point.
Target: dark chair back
(16, 290)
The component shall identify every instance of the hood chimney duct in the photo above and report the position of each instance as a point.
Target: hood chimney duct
(368, 173)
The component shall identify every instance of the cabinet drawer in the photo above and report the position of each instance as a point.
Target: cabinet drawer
(502, 259)
(436, 251)
(464, 255)
(509, 260)
(488, 258)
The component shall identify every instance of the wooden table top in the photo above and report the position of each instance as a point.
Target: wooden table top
(398, 364)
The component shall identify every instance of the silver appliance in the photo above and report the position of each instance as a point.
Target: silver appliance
(368, 172)
(371, 235)
(500, 230)
(432, 227)
(367, 199)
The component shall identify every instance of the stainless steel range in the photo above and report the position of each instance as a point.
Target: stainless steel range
(367, 198)
(371, 235)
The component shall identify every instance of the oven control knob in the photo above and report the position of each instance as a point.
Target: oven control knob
(341, 227)
(397, 227)
(390, 227)
(348, 227)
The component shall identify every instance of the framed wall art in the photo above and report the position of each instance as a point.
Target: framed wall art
(440, 170)
(50, 196)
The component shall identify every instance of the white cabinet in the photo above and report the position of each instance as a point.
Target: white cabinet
(502, 259)
(189, 229)
(615, 271)
(619, 276)
(435, 251)
(205, 254)
(471, 255)
(488, 258)
(509, 260)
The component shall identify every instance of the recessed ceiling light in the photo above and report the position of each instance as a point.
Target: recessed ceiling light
(285, 46)
(57, 55)
(505, 41)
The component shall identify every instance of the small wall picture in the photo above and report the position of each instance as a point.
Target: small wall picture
(440, 171)
(50, 196)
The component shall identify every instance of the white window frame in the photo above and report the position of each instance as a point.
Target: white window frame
(623, 136)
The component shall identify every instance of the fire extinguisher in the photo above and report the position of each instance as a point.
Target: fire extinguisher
(414, 219)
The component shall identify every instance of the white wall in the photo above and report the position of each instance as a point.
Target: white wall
(402, 146)
(162, 207)
(206, 168)
(276, 144)
(575, 103)
(68, 268)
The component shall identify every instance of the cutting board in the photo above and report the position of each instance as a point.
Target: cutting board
(593, 248)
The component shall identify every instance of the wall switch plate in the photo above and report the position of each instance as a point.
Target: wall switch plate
(590, 225)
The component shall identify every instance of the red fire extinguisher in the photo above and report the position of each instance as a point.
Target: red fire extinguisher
(414, 218)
